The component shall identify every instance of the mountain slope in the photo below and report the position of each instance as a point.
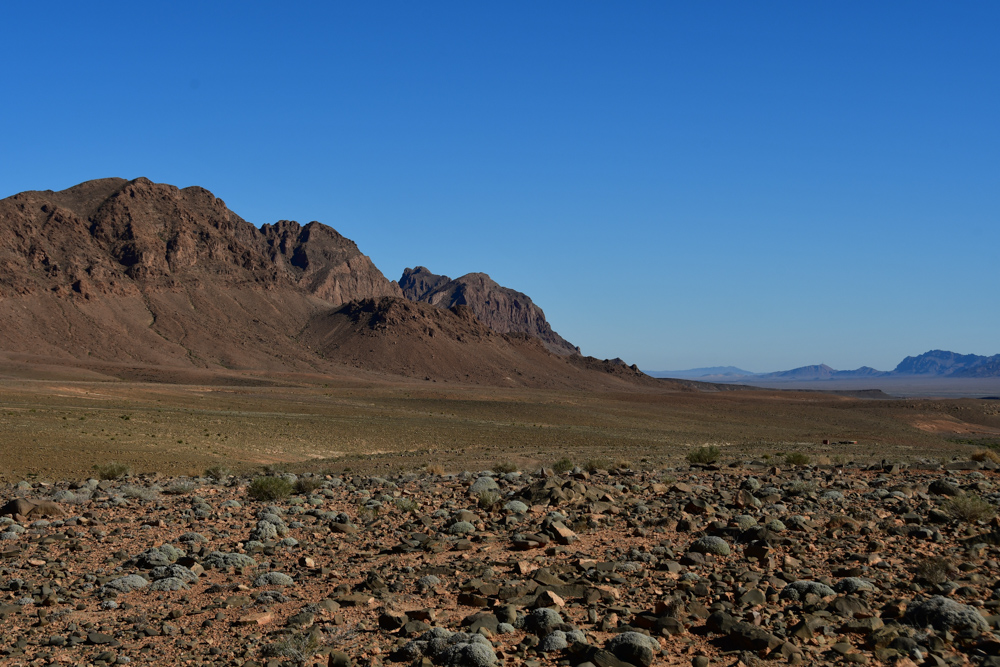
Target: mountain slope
(417, 340)
(135, 279)
(500, 308)
(139, 272)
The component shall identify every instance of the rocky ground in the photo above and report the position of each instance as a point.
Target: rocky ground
(693, 565)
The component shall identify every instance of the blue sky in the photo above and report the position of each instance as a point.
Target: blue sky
(767, 184)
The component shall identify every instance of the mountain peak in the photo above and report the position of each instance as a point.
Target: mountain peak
(500, 308)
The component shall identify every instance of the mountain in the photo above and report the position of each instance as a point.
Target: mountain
(822, 372)
(949, 364)
(710, 371)
(500, 308)
(136, 279)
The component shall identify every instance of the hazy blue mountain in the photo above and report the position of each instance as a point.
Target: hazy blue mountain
(697, 373)
(936, 363)
(942, 363)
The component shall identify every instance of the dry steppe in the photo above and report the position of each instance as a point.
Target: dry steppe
(59, 429)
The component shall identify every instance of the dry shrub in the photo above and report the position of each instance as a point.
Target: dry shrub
(704, 455)
(563, 465)
(796, 459)
(986, 455)
(968, 507)
(935, 570)
(111, 470)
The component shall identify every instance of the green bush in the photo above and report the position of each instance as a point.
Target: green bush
(968, 507)
(269, 488)
(796, 459)
(563, 465)
(111, 470)
(704, 455)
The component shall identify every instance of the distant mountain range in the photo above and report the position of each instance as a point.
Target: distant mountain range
(936, 363)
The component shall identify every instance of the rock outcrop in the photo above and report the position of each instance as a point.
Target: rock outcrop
(500, 308)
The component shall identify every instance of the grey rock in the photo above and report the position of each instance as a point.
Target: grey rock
(273, 579)
(168, 584)
(126, 584)
(633, 647)
(853, 585)
(797, 590)
(945, 614)
(711, 545)
(484, 484)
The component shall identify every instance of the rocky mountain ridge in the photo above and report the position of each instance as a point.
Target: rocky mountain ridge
(500, 308)
(121, 274)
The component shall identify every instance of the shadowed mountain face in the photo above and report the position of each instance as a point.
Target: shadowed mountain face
(500, 308)
(114, 276)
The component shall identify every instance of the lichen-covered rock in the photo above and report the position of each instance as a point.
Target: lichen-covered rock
(853, 585)
(173, 572)
(542, 621)
(797, 590)
(945, 614)
(125, 584)
(461, 528)
(273, 579)
(711, 545)
(484, 484)
(168, 584)
(633, 647)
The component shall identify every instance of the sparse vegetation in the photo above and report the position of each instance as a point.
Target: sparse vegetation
(797, 459)
(298, 648)
(269, 488)
(435, 469)
(563, 465)
(935, 570)
(488, 498)
(368, 513)
(407, 505)
(218, 472)
(180, 488)
(968, 507)
(986, 455)
(111, 470)
(704, 455)
(505, 467)
(306, 485)
(595, 464)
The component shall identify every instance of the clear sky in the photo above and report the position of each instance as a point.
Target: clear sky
(762, 184)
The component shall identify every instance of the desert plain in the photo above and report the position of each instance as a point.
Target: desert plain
(435, 523)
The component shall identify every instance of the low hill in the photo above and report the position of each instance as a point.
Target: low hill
(414, 339)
